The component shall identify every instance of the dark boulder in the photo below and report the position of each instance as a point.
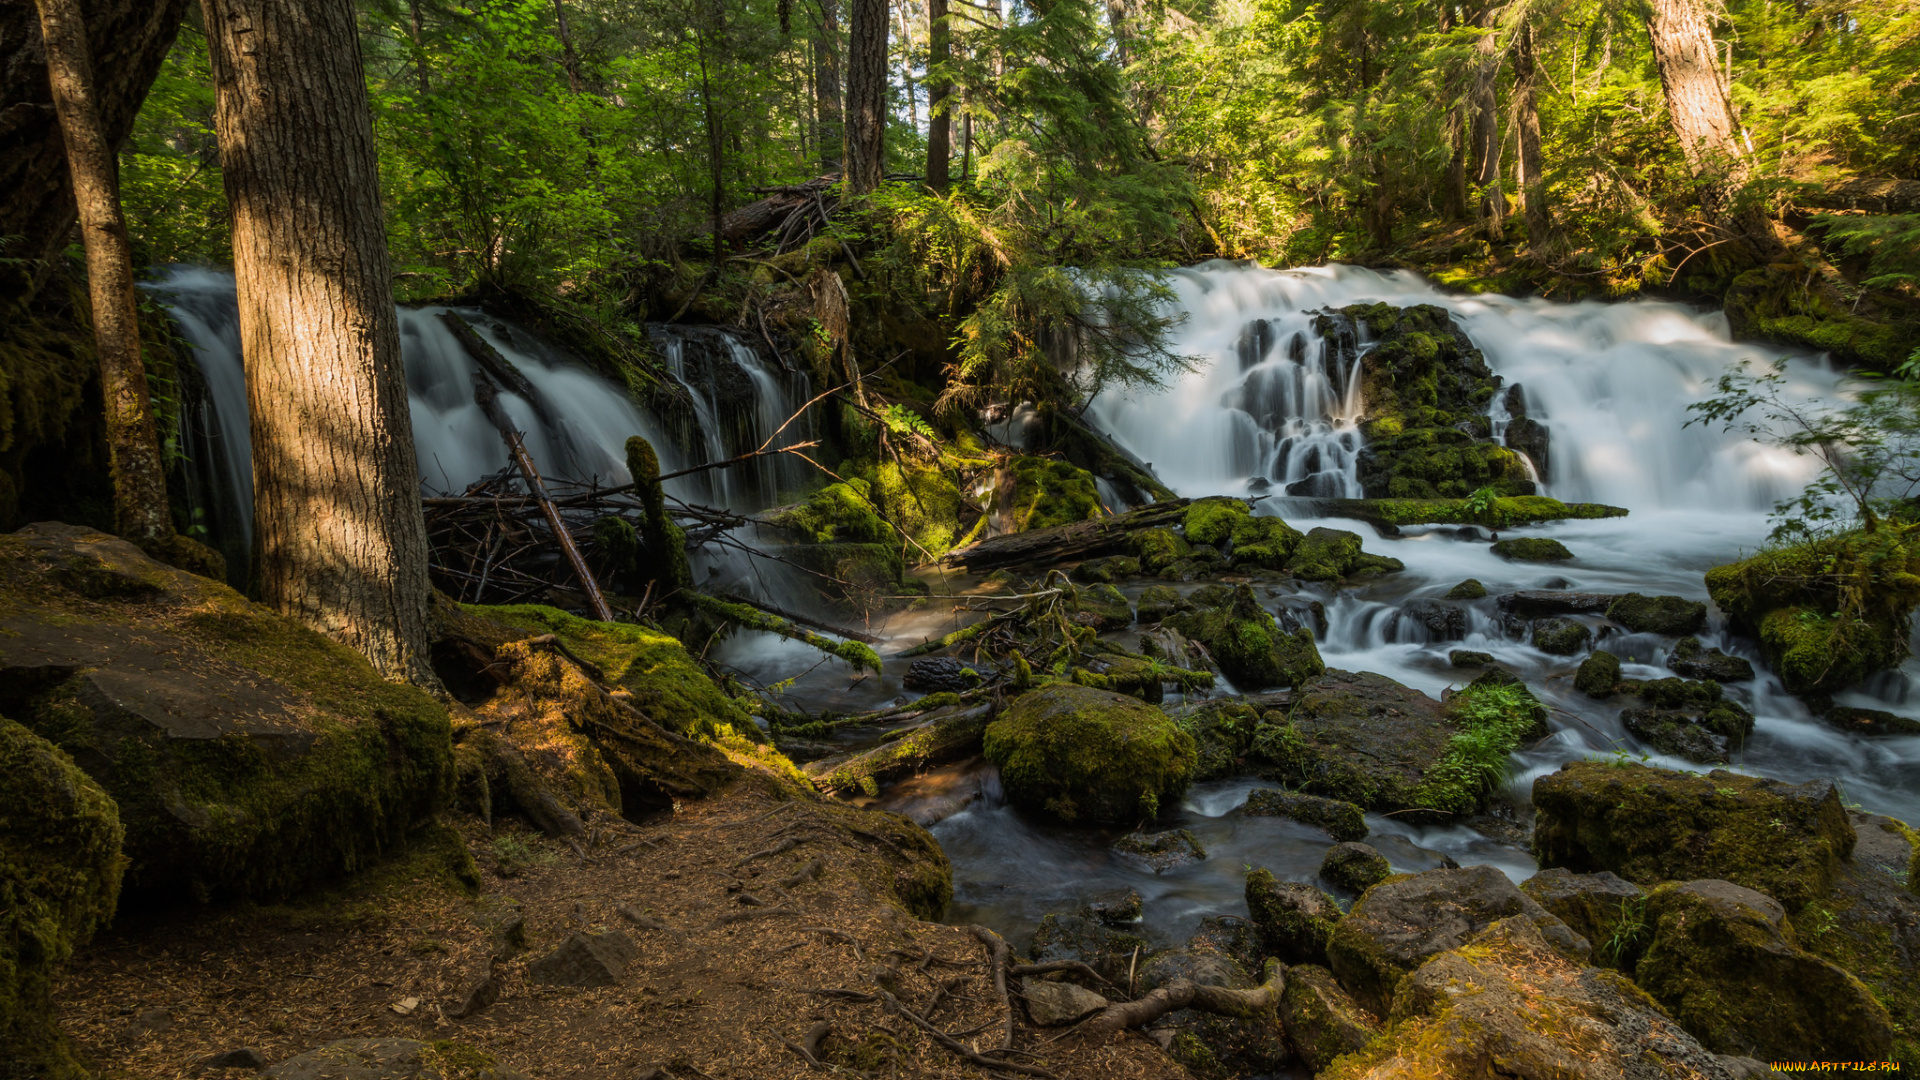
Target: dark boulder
(1606, 909)
(1163, 851)
(1673, 616)
(1690, 659)
(1322, 1019)
(1598, 675)
(1559, 636)
(1532, 549)
(935, 674)
(1341, 820)
(1095, 944)
(1354, 867)
(1536, 602)
(1295, 921)
(1441, 621)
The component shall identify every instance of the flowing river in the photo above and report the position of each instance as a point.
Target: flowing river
(1267, 412)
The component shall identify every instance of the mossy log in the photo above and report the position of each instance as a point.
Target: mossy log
(947, 734)
(1080, 540)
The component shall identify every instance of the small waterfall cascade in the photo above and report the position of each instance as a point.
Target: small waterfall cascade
(578, 429)
(1276, 401)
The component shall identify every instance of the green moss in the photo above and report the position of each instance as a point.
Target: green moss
(1102, 607)
(1532, 549)
(923, 501)
(1090, 755)
(665, 542)
(1159, 549)
(1265, 542)
(1496, 714)
(1323, 1021)
(1673, 616)
(1503, 512)
(1857, 936)
(1049, 492)
(1344, 821)
(1820, 653)
(1296, 921)
(838, 513)
(1560, 636)
(1598, 675)
(1781, 303)
(1470, 589)
(1249, 645)
(1222, 732)
(1212, 521)
(1332, 554)
(60, 867)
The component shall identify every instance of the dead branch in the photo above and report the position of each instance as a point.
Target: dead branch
(1184, 994)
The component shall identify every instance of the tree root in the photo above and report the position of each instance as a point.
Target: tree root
(839, 935)
(953, 1046)
(803, 875)
(997, 946)
(1183, 994)
(1074, 966)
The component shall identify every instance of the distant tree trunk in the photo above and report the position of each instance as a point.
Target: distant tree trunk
(129, 41)
(139, 477)
(716, 149)
(906, 69)
(1486, 141)
(866, 95)
(1120, 24)
(568, 58)
(419, 51)
(1702, 116)
(1532, 172)
(338, 536)
(1453, 198)
(939, 89)
(826, 86)
(966, 136)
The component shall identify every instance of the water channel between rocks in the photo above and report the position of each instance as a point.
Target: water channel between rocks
(1266, 413)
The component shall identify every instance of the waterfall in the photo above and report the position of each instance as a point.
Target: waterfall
(737, 400)
(1276, 402)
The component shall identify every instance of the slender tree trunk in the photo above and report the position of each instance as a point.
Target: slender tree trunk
(1486, 141)
(338, 536)
(1532, 172)
(1453, 197)
(826, 86)
(906, 68)
(139, 477)
(966, 136)
(866, 95)
(1702, 116)
(716, 149)
(1120, 24)
(939, 89)
(568, 58)
(419, 50)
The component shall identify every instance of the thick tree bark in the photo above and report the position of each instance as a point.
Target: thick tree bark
(1484, 102)
(1702, 116)
(826, 86)
(1526, 115)
(939, 89)
(568, 58)
(1453, 197)
(130, 39)
(866, 95)
(338, 536)
(139, 477)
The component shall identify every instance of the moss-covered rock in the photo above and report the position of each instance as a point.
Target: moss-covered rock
(1342, 820)
(1723, 961)
(1495, 715)
(248, 755)
(1781, 302)
(1157, 602)
(1354, 867)
(1557, 635)
(1674, 616)
(1828, 613)
(1653, 825)
(1212, 521)
(1334, 554)
(838, 513)
(1294, 920)
(1532, 549)
(1102, 607)
(1470, 589)
(1105, 571)
(1870, 925)
(1089, 755)
(1323, 1020)
(1687, 718)
(1870, 721)
(1049, 492)
(1222, 730)
(1247, 642)
(1469, 658)
(923, 501)
(1598, 675)
(1502, 512)
(1162, 851)
(1693, 660)
(60, 868)
(1606, 909)
(1158, 549)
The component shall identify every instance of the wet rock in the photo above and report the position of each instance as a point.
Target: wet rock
(1532, 549)
(1232, 936)
(1108, 570)
(1529, 436)
(1559, 636)
(1676, 733)
(1467, 658)
(1653, 825)
(1057, 1004)
(1158, 602)
(1536, 602)
(1322, 1019)
(1723, 963)
(934, 674)
(1870, 721)
(1689, 719)
(391, 1059)
(1207, 1044)
(1104, 949)
(1870, 924)
(1490, 1002)
(1690, 659)
(1354, 867)
(1115, 907)
(1222, 730)
(482, 993)
(1598, 675)
(1247, 642)
(1163, 851)
(1102, 607)
(1674, 616)
(1606, 909)
(1342, 820)
(1335, 554)
(1443, 622)
(246, 1057)
(1089, 755)
(1470, 589)
(1358, 737)
(585, 960)
(1402, 922)
(1158, 549)
(1295, 921)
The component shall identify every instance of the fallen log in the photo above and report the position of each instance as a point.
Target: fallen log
(947, 735)
(1081, 540)
(1872, 194)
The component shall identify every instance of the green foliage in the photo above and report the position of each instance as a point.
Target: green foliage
(1496, 714)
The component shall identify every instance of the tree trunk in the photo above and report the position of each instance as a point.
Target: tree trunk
(129, 39)
(568, 58)
(1486, 141)
(826, 86)
(1120, 25)
(338, 536)
(1532, 172)
(419, 49)
(939, 89)
(1696, 92)
(139, 478)
(1453, 198)
(866, 95)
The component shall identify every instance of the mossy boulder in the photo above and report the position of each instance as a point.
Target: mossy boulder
(1674, 616)
(1341, 820)
(1160, 548)
(1828, 613)
(60, 867)
(1653, 825)
(1049, 492)
(1402, 922)
(1222, 730)
(1102, 607)
(840, 513)
(1105, 571)
(1723, 961)
(1532, 549)
(1870, 721)
(248, 755)
(1212, 521)
(1322, 1019)
(1557, 635)
(1158, 602)
(1605, 908)
(1090, 941)
(1162, 851)
(1598, 675)
(1089, 755)
(1247, 642)
(923, 501)
(1469, 658)
(1870, 925)
(1354, 867)
(1780, 302)
(1695, 661)
(1265, 542)
(1295, 921)
(1333, 555)
(1470, 589)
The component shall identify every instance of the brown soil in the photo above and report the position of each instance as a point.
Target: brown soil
(706, 998)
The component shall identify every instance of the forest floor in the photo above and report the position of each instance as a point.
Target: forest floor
(717, 989)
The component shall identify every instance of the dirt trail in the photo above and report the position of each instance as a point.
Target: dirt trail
(736, 967)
